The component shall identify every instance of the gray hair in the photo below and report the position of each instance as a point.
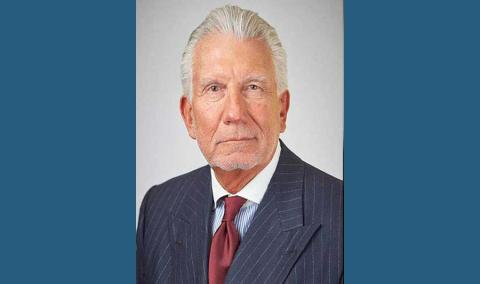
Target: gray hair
(243, 24)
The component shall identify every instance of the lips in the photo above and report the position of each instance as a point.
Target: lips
(244, 139)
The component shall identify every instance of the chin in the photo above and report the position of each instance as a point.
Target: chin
(231, 163)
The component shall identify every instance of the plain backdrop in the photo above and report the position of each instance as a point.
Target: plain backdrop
(312, 35)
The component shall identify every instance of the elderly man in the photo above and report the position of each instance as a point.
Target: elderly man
(257, 213)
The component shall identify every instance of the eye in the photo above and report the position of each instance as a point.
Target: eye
(214, 88)
(253, 87)
(214, 92)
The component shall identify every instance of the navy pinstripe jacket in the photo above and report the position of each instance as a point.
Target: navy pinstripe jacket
(296, 235)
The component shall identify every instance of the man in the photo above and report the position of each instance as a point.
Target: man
(257, 213)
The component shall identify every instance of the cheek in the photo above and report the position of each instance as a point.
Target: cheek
(206, 119)
(266, 117)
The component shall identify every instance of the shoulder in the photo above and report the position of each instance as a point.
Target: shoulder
(323, 197)
(320, 180)
(322, 192)
(166, 195)
(323, 180)
(322, 186)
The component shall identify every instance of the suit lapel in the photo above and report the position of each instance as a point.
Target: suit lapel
(190, 230)
(277, 235)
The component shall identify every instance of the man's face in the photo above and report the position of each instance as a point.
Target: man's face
(235, 113)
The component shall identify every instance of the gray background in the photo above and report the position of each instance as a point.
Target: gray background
(312, 35)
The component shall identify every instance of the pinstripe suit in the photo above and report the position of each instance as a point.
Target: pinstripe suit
(296, 235)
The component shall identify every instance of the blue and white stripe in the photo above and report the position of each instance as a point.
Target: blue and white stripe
(242, 220)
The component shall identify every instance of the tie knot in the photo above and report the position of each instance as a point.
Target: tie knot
(232, 206)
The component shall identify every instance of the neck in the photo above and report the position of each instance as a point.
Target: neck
(234, 181)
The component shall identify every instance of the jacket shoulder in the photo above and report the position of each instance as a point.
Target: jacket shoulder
(327, 180)
(168, 193)
(323, 197)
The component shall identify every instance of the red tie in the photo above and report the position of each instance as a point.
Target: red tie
(225, 242)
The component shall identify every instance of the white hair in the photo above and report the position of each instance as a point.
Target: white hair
(243, 24)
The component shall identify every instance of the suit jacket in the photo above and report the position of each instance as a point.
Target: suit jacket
(296, 235)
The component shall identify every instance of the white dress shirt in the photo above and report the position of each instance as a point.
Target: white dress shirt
(253, 192)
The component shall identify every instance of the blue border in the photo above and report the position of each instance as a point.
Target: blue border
(412, 141)
(67, 117)
(67, 113)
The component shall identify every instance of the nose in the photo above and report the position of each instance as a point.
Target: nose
(234, 108)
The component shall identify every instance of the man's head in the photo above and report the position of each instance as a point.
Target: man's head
(235, 99)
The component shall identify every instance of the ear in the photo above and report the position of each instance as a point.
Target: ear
(187, 115)
(284, 102)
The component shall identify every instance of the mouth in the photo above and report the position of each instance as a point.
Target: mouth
(245, 139)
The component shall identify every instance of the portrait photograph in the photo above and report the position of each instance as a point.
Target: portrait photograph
(266, 141)
(239, 141)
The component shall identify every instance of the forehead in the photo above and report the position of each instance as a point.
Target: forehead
(224, 54)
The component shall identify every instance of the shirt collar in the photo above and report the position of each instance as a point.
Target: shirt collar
(255, 189)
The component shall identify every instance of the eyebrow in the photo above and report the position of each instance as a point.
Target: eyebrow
(250, 78)
(207, 81)
(256, 78)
